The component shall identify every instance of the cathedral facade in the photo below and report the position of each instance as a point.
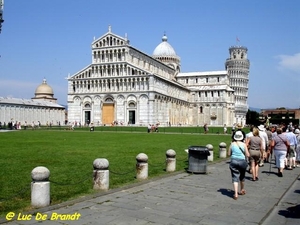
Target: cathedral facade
(123, 85)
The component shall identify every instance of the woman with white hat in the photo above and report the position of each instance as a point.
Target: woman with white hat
(238, 153)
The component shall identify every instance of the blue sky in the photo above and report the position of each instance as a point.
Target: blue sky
(51, 39)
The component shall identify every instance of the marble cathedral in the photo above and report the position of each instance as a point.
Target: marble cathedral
(123, 85)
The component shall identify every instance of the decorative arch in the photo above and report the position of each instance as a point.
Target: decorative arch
(87, 105)
(109, 99)
(87, 99)
(120, 98)
(97, 98)
(144, 98)
(76, 98)
(131, 98)
(132, 104)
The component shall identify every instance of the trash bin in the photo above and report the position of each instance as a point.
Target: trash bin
(91, 128)
(198, 159)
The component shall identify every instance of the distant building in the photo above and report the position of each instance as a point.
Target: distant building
(41, 109)
(123, 85)
(1, 14)
(281, 115)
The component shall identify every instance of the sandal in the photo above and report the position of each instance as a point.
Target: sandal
(235, 197)
(243, 192)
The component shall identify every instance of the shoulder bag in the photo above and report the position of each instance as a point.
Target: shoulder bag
(241, 150)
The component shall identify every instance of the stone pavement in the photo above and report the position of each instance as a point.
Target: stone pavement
(184, 198)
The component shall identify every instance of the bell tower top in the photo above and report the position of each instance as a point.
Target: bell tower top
(238, 52)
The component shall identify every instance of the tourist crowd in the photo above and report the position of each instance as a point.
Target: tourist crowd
(254, 149)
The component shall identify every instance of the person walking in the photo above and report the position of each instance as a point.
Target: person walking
(280, 146)
(265, 143)
(297, 133)
(268, 152)
(291, 159)
(248, 135)
(238, 153)
(239, 127)
(254, 144)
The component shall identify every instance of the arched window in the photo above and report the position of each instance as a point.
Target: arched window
(131, 105)
(201, 109)
(109, 100)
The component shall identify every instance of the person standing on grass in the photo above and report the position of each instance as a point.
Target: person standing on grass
(238, 153)
(205, 127)
(280, 146)
(225, 129)
(254, 144)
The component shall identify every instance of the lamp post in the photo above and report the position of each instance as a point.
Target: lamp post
(1, 13)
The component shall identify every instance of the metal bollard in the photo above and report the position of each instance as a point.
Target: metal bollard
(101, 174)
(210, 148)
(222, 150)
(142, 166)
(170, 160)
(40, 187)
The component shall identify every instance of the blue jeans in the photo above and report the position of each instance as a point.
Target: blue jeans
(238, 169)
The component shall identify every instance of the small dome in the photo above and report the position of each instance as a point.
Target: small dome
(164, 48)
(44, 89)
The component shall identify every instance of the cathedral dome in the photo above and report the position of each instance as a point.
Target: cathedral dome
(44, 90)
(164, 48)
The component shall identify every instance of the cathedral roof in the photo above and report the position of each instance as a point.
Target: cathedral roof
(204, 73)
(28, 102)
(164, 48)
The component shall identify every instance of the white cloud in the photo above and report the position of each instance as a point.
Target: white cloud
(290, 62)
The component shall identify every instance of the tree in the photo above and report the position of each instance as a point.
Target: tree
(252, 117)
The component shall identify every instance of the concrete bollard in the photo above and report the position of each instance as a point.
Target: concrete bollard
(142, 166)
(101, 174)
(222, 150)
(40, 187)
(210, 148)
(170, 160)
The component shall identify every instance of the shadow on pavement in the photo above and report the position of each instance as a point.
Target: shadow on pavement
(291, 212)
(226, 192)
(269, 172)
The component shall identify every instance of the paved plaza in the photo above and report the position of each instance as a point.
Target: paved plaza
(185, 198)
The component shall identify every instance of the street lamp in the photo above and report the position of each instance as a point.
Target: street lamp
(1, 13)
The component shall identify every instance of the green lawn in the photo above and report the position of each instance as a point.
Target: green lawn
(69, 156)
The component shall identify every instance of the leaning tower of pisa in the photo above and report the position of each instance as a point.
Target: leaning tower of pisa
(237, 66)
